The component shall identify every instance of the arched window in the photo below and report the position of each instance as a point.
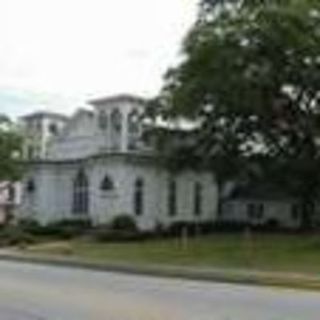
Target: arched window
(80, 203)
(133, 129)
(197, 199)
(133, 121)
(138, 197)
(107, 184)
(103, 120)
(172, 198)
(116, 128)
(116, 120)
(53, 129)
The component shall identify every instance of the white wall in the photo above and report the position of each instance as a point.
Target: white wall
(52, 199)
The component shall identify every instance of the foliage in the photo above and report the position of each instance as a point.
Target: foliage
(122, 228)
(10, 151)
(250, 76)
(12, 236)
(63, 229)
(123, 222)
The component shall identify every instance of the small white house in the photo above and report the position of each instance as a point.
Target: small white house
(96, 165)
(261, 204)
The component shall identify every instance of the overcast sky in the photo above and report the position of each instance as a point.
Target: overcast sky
(56, 54)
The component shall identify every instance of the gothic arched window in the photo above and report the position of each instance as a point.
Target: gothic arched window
(107, 184)
(80, 204)
(138, 197)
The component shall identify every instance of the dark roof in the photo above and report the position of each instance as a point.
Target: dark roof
(259, 191)
(118, 98)
(45, 114)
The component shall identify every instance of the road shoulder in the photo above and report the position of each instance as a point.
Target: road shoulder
(235, 276)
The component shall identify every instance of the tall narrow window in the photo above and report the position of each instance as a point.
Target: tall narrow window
(80, 203)
(116, 128)
(255, 211)
(138, 197)
(103, 120)
(133, 129)
(30, 186)
(197, 199)
(172, 198)
(116, 120)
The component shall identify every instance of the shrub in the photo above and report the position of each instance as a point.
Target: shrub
(123, 222)
(272, 224)
(65, 228)
(29, 225)
(12, 236)
(231, 226)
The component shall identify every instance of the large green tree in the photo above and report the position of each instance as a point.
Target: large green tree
(10, 150)
(250, 75)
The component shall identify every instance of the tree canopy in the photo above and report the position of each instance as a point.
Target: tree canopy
(250, 75)
(10, 150)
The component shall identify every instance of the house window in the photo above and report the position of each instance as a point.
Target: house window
(296, 211)
(197, 199)
(30, 186)
(255, 211)
(172, 198)
(30, 152)
(107, 184)
(138, 197)
(80, 203)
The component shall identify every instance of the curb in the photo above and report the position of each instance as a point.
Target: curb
(241, 277)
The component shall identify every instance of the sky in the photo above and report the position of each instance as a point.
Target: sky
(57, 54)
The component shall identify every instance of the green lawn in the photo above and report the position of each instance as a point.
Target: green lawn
(264, 252)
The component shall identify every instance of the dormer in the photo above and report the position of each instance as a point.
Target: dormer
(118, 119)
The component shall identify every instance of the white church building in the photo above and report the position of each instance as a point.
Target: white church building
(96, 165)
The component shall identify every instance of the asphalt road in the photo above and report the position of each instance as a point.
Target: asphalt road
(33, 292)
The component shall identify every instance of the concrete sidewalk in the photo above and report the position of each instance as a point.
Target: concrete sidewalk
(235, 276)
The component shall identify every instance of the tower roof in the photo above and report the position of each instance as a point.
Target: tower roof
(44, 114)
(118, 98)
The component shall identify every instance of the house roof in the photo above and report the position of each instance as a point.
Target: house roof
(259, 191)
(118, 98)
